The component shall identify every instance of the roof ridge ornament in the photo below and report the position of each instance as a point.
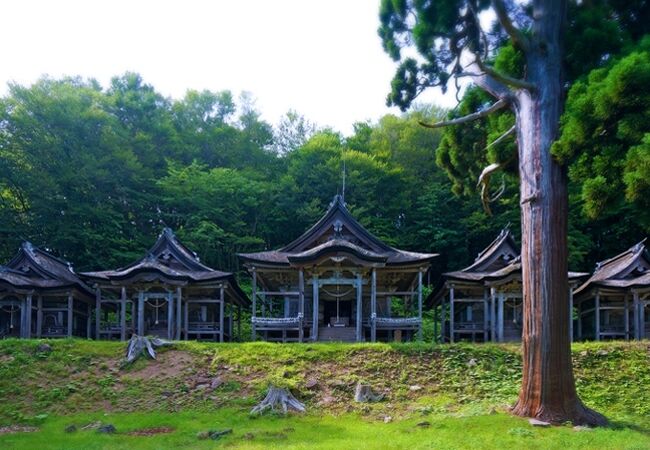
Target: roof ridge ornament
(338, 229)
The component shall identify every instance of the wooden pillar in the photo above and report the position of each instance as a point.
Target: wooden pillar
(187, 319)
(359, 330)
(222, 301)
(493, 315)
(39, 316)
(179, 315)
(170, 315)
(373, 306)
(140, 313)
(579, 321)
(314, 329)
(88, 321)
(98, 312)
(637, 317)
(123, 314)
(435, 324)
(500, 318)
(451, 314)
(626, 316)
(420, 304)
(597, 316)
(254, 294)
(70, 314)
(570, 313)
(25, 317)
(301, 303)
(238, 322)
(485, 310)
(443, 319)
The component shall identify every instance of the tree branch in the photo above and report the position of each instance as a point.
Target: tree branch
(500, 139)
(520, 40)
(505, 79)
(500, 104)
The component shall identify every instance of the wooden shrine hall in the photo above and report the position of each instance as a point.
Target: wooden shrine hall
(337, 282)
(167, 293)
(42, 296)
(483, 302)
(614, 303)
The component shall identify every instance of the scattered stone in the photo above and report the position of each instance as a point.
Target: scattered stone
(388, 419)
(584, 353)
(44, 348)
(311, 383)
(338, 383)
(108, 428)
(582, 428)
(216, 382)
(150, 431)
(327, 400)
(71, 428)
(538, 423)
(166, 394)
(472, 362)
(213, 434)
(17, 429)
(602, 353)
(200, 387)
(415, 387)
(92, 426)
(423, 424)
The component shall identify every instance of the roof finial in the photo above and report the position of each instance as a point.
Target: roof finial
(343, 189)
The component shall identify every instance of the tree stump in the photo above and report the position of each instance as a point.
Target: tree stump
(363, 394)
(278, 399)
(142, 345)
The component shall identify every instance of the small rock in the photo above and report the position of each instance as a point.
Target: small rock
(538, 423)
(472, 362)
(92, 426)
(166, 394)
(44, 348)
(216, 434)
(584, 353)
(216, 382)
(328, 399)
(338, 383)
(109, 428)
(388, 419)
(602, 353)
(200, 387)
(71, 428)
(415, 387)
(203, 435)
(311, 383)
(582, 428)
(424, 424)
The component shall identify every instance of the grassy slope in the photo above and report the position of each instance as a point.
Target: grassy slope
(461, 390)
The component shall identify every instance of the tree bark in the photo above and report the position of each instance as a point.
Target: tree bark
(548, 388)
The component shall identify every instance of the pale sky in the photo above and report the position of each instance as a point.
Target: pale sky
(321, 58)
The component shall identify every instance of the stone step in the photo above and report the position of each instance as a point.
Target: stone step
(337, 334)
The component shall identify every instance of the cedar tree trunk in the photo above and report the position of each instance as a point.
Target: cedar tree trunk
(548, 389)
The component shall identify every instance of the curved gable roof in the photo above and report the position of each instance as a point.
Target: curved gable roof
(35, 268)
(337, 224)
(630, 268)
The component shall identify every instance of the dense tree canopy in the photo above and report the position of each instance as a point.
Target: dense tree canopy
(94, 174)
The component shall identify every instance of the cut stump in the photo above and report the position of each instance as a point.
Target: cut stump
(278, 399)
(363, 394)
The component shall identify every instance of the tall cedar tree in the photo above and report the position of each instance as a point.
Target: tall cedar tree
(451, 42)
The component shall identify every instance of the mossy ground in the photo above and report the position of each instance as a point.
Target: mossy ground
(462, 391)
